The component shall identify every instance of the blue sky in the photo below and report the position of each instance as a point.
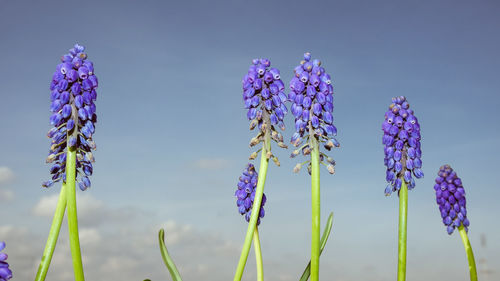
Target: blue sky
(172, 134)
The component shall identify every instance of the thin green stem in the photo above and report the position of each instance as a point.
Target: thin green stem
(264, 163)
(53, 235)
(258, 255)
(403, 214)
(74, 240)
(169, 262)
(468, 251)
(315, 210)
(324, 239)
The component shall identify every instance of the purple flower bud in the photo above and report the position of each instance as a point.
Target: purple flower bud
(245, 196)
(446, 199)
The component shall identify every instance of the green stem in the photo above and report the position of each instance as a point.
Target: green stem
(258, 255)
(169, 262)
(403, 214)
(264, 162)
(53, 235)
(315, 210)
(74, 241)
(324, 238)
(468, 251)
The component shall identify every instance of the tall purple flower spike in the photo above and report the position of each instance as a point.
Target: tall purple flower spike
(450, 197)
(264, 97)
(312, 105)
(401, 146)
(73, 116)
(5, 272)
(245, 193)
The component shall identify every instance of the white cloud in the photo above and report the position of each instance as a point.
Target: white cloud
(211, 163)
(6, 175)
(6, 195)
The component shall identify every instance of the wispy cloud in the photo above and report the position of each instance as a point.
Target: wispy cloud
(211, 163)
(6, 175)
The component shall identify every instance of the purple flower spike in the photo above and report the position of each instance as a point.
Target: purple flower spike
(312, 105)
(450, 197)
(401, 145)
(245, 193)
(73, 115)
(5, 272)
(264, 98)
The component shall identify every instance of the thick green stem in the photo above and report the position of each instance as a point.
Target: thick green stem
(74, 240)
(53, 235)
(403, 214)
(264, 163)
(315, 210)
(258, 255)
(468, 251)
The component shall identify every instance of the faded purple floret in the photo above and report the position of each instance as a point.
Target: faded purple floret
(312, 105)
(450, 197)
(401, 146)
(5, 272)
(245, 193)
(73, 116)
(264, 97)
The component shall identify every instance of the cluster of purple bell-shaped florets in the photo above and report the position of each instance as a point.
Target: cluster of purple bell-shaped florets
(402, 146)
(450, 197)
(245, 193)
(312, 105)
(5, 272)
(264, 97)
(73, 116)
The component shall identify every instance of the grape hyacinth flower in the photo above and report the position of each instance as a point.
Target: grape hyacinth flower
(264, 99)
(245, 193)
(312, 105)
(402, 158)
(73, 93)
(450, 197)
(5, 272)
(401, 146)
(73, 116)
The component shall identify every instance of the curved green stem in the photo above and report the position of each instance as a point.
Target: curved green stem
(264, 163)
(403, 214)
(468, 251)
(258, 255)
(169, 262)
(74, 240)
(53, 235)
(324, 238)
(315, 210)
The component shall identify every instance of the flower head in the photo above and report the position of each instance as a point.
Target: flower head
(5, 272)
(245, 193)
(73, 116)
(450, 197)
(264, 97)
(312, 105)
(401, 146)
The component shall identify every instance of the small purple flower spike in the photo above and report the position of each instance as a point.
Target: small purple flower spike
(73, 116)
(264, 97)
(312, 105)
(450, 197)
(5, 272)
(246, 192)
(401, 146)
